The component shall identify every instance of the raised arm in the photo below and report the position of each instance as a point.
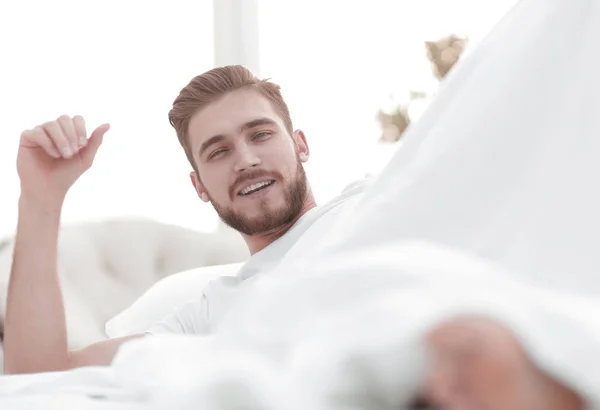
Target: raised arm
(51, 158)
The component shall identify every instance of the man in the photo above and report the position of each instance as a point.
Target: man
(247, 162)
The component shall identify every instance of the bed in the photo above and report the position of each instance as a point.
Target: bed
(489, 207)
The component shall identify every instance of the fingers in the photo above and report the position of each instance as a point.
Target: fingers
(54, 131)
(38, 137)
(68, 129)
(65, 137)
(80, 131)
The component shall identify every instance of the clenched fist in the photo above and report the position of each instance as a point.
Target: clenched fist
(52, 156)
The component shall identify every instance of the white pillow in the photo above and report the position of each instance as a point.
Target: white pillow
(162, 298)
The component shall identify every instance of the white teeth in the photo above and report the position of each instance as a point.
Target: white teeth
(254, 187)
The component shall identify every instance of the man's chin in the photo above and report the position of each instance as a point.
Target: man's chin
(257, 229)
(257, 219)
(256, 210)
(259, 224)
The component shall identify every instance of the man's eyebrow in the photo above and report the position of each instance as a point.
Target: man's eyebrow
(245, 127)
(257, 123)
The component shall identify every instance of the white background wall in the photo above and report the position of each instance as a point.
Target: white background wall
(124, 61)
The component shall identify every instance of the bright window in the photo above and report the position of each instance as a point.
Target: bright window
(113, 61)
(124, 62)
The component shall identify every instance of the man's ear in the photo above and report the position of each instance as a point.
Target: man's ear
(200, 190)
(301, 145)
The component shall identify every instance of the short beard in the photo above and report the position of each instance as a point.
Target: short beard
(295, 194)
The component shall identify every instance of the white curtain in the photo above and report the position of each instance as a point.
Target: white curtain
(113, 61)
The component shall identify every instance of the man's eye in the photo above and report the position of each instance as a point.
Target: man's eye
(261, 135)
(217, 153)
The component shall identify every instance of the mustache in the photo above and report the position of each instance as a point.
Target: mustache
(249, 175)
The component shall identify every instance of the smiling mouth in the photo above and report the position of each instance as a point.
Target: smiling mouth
(259, 186)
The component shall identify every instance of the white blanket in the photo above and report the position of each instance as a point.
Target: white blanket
(489, 208)
(347, 330)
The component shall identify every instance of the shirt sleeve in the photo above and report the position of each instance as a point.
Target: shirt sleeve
(190, 318)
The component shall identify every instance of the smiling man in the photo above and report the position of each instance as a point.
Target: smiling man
(247, 161)
(246, 156)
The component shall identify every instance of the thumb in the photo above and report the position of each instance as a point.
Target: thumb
(90, 150)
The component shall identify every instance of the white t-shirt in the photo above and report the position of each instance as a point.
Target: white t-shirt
(201, 316)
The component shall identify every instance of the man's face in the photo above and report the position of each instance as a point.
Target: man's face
(248, 166)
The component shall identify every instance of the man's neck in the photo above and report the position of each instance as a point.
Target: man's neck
(258, 242)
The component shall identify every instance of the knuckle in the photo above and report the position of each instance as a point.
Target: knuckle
(26, 134)
(33, 135)
(64, 117)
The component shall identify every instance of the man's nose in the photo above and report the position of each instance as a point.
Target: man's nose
(246, 159)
